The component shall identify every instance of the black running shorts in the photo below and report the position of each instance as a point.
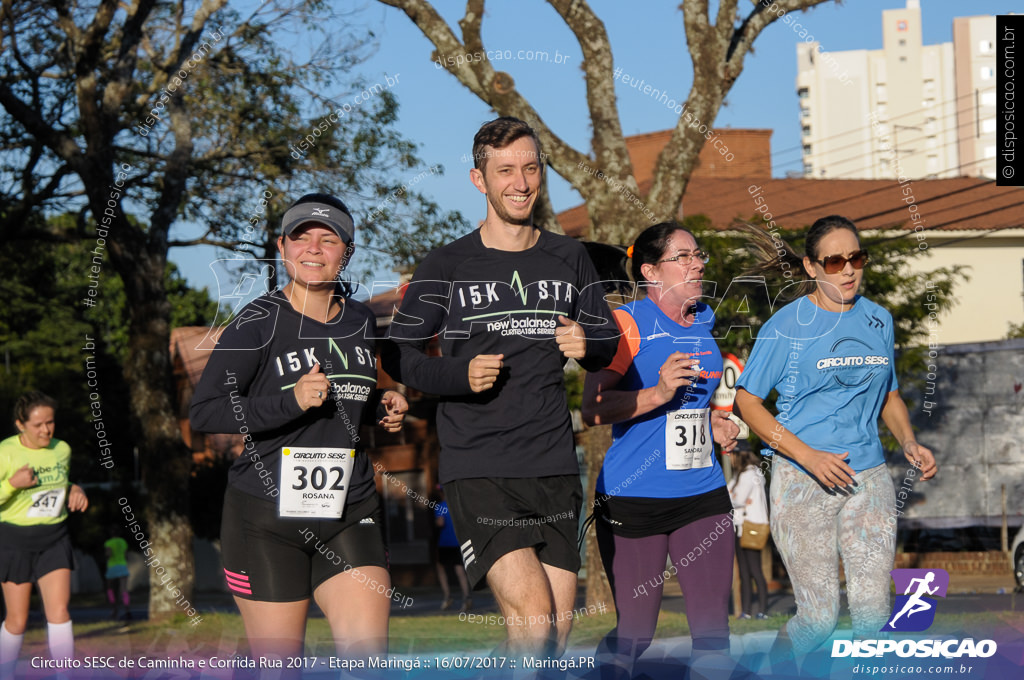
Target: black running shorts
(495, 516)
(273, 559)
(29, 552)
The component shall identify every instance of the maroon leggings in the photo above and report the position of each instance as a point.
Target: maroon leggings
(702, 556)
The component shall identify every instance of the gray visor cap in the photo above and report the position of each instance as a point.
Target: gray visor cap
(336, 220)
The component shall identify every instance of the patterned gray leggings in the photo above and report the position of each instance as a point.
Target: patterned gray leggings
(812, 529)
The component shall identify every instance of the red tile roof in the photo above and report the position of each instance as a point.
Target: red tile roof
(968, 203)
(723, 192)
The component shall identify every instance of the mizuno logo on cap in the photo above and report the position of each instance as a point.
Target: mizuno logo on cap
(321, 212)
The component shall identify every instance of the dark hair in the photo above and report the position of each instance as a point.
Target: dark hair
(774, 256)
(498, 134)
(345, 287)
(650, 246)
(744, 458)
(29, 402)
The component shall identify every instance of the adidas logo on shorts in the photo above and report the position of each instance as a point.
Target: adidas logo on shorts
(367, 520)
(467, 553)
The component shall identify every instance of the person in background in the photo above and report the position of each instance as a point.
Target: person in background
(748, 504)
(35, 497)
(449, 558)
(115, 548)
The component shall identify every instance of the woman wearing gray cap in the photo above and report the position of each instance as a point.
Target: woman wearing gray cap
(295, 373)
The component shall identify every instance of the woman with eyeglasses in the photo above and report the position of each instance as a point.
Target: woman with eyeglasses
(661, 493)
(829, 356)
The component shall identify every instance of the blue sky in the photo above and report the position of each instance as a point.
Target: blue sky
(648, 42)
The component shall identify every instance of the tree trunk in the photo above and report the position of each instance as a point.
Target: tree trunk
(166, 462)
(596, 442)
(619, 214)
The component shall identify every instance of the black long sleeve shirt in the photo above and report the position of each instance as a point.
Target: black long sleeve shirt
(247, 387)
(481, 300)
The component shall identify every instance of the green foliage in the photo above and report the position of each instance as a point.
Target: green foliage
(50, 338)
(267, 118)
(574, 387)
(1016, 330)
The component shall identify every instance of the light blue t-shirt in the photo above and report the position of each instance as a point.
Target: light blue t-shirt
(832, 371)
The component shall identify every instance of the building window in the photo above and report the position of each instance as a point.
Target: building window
(808, 169)
(990, 151)
(986, 47)
(903, 42)
(807, 149)
(988, 125)
(903, 58)
(806, 130)
(988, 99)
(987, 73)
(805, 112)
(880, 94)
(803, 93)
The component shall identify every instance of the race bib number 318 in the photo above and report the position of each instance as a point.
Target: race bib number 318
(688, 439)
(314, 481)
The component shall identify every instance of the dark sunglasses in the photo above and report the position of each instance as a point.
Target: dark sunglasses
(834, 264)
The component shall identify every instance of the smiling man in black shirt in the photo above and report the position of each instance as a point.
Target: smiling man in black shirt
(510, 304)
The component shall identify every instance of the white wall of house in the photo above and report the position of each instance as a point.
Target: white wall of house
(994, 295)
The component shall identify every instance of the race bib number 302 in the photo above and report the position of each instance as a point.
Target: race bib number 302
(688, 439)
(48, 503)
(314, 481)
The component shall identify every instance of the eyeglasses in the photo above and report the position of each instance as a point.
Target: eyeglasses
(684, 257)
(833, 264)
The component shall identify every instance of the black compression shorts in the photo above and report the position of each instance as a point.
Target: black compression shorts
(273, 559)
(495, 516)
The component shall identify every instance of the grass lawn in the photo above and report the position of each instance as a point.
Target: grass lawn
(221, 634)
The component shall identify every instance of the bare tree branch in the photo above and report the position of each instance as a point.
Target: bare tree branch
(717, 53)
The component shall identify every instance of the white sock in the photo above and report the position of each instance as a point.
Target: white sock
(10, 648)
(61, 639)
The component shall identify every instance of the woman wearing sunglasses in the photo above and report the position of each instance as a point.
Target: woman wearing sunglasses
(661, 493)
(829, 356)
